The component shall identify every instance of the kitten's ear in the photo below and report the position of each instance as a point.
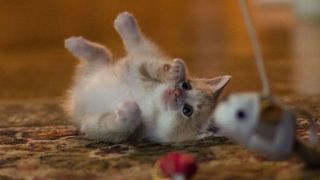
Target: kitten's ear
(218, 83)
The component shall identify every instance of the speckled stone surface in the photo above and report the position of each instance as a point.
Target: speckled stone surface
(38, 142)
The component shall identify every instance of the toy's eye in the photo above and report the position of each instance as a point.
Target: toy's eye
(241, 115)
(187, 110)
(186, 86)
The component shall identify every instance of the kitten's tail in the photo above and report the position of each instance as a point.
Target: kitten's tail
(93, 54)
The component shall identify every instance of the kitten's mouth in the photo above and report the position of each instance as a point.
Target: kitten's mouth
(170, 98)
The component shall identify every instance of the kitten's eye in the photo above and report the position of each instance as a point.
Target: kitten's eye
(241, 115)
(187, 110)
(186, 86)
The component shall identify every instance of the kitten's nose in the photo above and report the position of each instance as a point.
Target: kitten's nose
(177, 92)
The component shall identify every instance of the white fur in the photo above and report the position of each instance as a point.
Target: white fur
(105, 90)
(225, 116)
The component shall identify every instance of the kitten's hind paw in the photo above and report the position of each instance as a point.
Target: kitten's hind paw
(129, 113)
(127, 27)
(84, 49)
(75, 44)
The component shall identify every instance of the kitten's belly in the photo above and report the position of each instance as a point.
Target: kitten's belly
(105, 92)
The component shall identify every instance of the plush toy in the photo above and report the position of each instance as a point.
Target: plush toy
(258, 121)
(261, 124)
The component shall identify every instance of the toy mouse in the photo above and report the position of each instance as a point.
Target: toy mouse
(258, 122)
(262, 125)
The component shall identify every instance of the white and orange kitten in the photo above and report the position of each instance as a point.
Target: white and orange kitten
(143, 95)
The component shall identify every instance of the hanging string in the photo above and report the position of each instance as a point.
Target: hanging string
(256, 48)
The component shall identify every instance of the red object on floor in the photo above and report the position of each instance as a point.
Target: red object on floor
(176, 163)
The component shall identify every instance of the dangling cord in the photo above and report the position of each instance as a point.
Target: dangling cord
(256, 48)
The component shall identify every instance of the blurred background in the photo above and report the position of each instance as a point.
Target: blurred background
(208, 34)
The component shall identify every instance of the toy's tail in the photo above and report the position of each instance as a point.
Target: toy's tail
(313, 129)
(310, 153)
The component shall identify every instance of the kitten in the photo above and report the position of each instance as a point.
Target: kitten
(143, 95)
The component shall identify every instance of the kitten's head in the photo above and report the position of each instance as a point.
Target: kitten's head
(188, 106)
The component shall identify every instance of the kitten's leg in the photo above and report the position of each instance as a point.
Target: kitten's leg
(113, 127)
(164, 71)
(94, 55)
(87, 50)
(135, 42)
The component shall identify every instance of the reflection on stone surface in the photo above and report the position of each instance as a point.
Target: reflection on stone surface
(306, 60)
(209, 35)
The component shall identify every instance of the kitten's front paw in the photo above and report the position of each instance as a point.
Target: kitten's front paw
(126, 25)
(177, 71)
(129, 113)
